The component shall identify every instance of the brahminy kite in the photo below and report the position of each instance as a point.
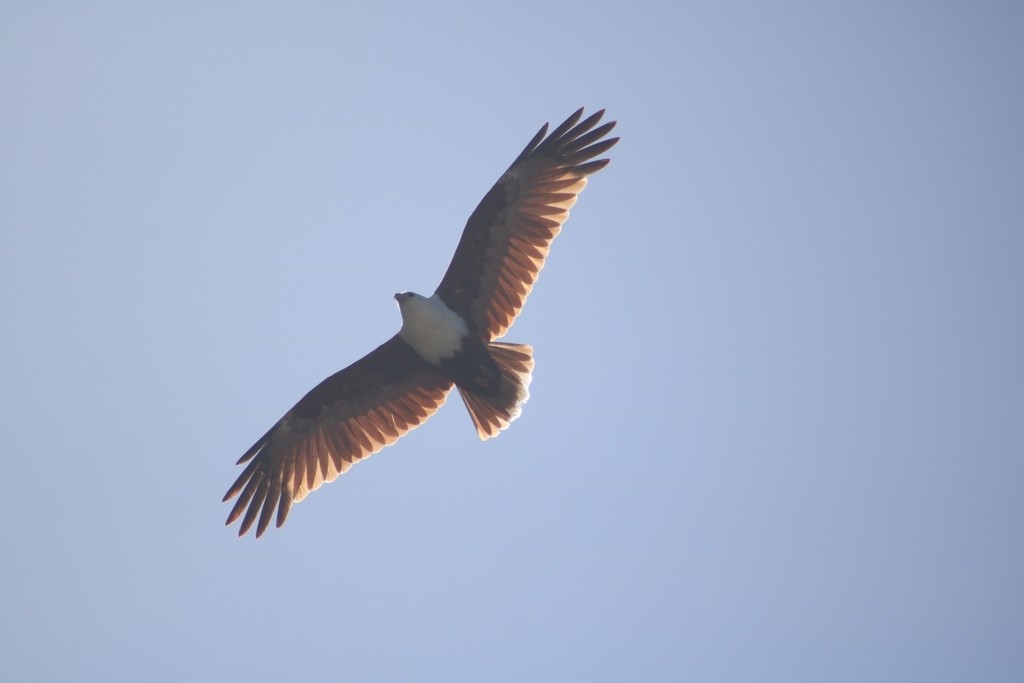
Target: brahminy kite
(446, 340)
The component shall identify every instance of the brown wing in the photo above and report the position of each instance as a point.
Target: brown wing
(347, 417)
(507, 238)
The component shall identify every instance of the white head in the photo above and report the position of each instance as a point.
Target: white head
(430, 327)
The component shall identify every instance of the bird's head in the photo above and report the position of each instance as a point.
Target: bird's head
(406, 300)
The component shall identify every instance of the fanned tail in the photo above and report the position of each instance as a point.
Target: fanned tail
(491, 414)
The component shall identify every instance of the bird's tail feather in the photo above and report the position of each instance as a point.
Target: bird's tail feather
(491, 414)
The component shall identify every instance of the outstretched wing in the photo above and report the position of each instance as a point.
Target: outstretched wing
(507, 238)
(347, 417)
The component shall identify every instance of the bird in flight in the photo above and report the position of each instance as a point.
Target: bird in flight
(446, 340)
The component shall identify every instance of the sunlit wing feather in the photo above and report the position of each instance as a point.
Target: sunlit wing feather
(508, 236)
(347, 417)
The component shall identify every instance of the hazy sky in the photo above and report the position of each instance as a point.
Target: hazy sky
(776, 430)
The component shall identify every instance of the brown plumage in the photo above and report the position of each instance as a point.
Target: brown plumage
(347, 417)
(508, 236)
(373, 402)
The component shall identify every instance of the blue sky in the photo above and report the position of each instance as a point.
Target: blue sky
(775, 430)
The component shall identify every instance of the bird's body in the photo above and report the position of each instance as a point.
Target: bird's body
(496, 393)
(446, 340)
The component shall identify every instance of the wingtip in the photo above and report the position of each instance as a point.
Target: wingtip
(599, 114)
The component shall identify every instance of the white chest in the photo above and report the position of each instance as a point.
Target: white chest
(431, 328)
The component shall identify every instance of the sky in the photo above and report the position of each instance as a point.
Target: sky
(776, 427)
